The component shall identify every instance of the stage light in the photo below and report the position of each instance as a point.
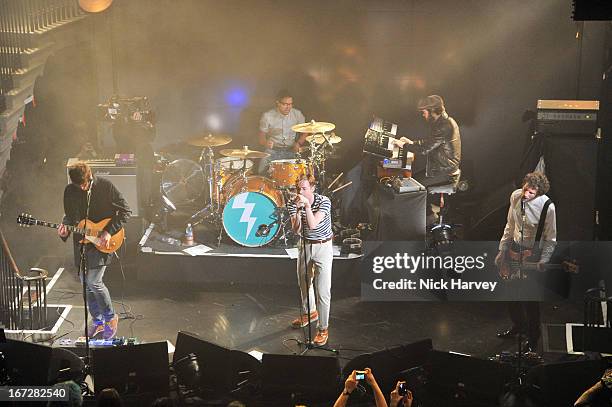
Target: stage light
(236, 97)
(213, 122)
(94, 6)
(442, 239)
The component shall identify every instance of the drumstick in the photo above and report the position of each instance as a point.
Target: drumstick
(334, 181)
(342, 187)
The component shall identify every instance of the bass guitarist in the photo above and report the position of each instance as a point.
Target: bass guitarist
(105, 201)
(531, 223)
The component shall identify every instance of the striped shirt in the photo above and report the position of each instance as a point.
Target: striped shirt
(323, 230)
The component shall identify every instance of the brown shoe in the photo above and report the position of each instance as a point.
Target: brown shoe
(110, 328)
(303, 320)
(322, 337)
(95, 329)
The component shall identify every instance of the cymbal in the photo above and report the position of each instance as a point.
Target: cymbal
(209, 140)
(320, 139)
(243, 153)
(94, 6)
(313, 127)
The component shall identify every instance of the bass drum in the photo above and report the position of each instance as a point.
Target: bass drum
(252, 207)
(182, 182)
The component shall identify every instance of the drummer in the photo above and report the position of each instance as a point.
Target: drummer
(275, 132)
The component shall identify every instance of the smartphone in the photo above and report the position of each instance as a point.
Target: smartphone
(360, 374)
(402, 389)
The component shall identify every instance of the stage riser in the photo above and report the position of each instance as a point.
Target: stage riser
(242, 270)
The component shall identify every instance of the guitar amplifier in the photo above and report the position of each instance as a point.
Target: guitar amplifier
(123, 177)
(567, 116)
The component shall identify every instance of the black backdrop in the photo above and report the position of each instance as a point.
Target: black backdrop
(215, 66)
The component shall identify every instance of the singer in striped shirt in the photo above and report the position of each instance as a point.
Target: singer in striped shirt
(311, 218)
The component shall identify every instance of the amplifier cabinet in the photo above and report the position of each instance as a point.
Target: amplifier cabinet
(123, 177)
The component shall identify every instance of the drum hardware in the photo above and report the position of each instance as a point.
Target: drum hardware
(321, 138)
(166, 208)
(182, 182)
(211, 211)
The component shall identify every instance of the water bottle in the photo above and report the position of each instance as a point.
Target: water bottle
(188, 240)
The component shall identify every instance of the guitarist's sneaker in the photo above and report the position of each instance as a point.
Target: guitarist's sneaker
(94, 330)
(110, 328)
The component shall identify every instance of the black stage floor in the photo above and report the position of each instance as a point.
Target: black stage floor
(256, 316)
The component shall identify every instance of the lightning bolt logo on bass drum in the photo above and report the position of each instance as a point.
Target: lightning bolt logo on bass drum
(240, 203)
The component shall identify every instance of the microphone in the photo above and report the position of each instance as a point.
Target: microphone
(263, 230)
(522, 205)
(90, 186)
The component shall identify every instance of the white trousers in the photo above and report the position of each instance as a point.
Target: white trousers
(320, 257)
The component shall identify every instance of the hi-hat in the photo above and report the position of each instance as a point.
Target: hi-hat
(313, 127)
(243, 153)
(320, 138)
(210, 140)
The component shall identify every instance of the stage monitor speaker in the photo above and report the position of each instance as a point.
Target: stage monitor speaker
(562, 383)
(571, 167)
(213, 361)
(27, 364)
(300, 379)
(132, 370)
(478, 379)
(388, 363)
(592, 338)
(221, 370)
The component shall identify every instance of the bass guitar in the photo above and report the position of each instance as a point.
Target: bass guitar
(509, 269)
(90, 235)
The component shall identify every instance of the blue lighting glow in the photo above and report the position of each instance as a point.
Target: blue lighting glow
(236, 97)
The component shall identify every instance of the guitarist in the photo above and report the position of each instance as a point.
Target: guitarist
(105, 201)
(533, 213)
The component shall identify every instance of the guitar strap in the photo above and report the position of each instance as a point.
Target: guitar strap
(542, 221)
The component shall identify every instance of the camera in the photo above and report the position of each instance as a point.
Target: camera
(360, 374)
(402, 389)
(135, 109)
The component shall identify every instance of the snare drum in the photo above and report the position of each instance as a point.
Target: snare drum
(251, 213)
(285, 173)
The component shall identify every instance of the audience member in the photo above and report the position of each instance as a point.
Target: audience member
(352, 383)
(400, 396)
(600, 394)
(109, 398)
(75, 397)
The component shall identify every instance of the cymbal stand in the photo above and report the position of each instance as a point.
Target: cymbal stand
(210, 212)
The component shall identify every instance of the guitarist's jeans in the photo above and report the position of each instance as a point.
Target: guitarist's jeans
(98, 298)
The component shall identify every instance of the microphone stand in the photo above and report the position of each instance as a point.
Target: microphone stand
(308, 344)
(520, 281)
(83, 272)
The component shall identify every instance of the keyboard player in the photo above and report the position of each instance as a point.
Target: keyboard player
(441, 147)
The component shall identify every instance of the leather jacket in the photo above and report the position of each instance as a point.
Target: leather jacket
(442, 147)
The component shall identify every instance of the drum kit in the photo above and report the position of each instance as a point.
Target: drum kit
(249, 207)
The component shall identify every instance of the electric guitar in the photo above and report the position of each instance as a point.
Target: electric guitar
(90, 235)
(509, 269)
